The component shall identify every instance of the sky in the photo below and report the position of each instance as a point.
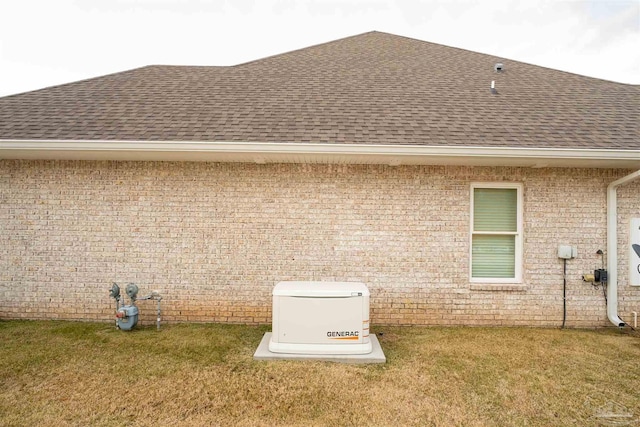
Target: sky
(50, 42)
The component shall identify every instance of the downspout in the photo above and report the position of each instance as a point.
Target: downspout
(612, 247)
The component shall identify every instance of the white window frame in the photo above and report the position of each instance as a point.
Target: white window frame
(518, 233)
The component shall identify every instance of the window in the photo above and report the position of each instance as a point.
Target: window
(496, 233)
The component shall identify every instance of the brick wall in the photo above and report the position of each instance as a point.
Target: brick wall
(214, 239)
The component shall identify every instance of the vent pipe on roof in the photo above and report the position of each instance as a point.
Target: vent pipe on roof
(612, 247)
(493, 87)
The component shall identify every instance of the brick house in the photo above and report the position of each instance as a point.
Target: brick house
(374, 158)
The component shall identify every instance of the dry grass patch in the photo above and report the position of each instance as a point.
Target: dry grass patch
(65, 373)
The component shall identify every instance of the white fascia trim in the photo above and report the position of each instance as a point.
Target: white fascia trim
(271, 148)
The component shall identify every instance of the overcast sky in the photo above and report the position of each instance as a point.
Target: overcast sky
(48, 42)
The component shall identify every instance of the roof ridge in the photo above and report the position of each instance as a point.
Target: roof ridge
(500, 57)
(308, 48)
(116, 73)
(81, 81)
(509, 59)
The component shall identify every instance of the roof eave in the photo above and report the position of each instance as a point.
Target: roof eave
(268, 152)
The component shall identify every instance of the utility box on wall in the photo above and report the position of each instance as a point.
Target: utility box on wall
(634, 252)
(320, 318)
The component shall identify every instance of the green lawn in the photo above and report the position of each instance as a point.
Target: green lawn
(68, 373)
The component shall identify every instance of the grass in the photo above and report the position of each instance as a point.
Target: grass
(79, 374)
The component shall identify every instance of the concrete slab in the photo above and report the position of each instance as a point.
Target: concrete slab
(376, 355)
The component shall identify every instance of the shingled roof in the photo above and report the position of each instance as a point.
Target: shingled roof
(371, 89)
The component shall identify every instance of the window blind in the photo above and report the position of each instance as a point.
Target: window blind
(493, 256)
(495, 210)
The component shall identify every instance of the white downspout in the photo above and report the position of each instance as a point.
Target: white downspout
(612, 247)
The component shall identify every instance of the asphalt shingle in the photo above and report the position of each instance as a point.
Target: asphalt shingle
(374, 88)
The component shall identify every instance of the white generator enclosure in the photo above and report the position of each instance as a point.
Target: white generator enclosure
(320, 318)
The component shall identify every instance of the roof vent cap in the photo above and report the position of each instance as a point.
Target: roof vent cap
(499, 67)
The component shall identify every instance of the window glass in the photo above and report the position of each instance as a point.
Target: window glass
(496, 233)
(493, 256)
(495, 209)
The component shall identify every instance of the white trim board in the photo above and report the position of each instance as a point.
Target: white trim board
(269, 152)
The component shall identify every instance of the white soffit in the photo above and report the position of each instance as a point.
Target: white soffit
(393, 155)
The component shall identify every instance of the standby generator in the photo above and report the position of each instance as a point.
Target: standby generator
(320, 318)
